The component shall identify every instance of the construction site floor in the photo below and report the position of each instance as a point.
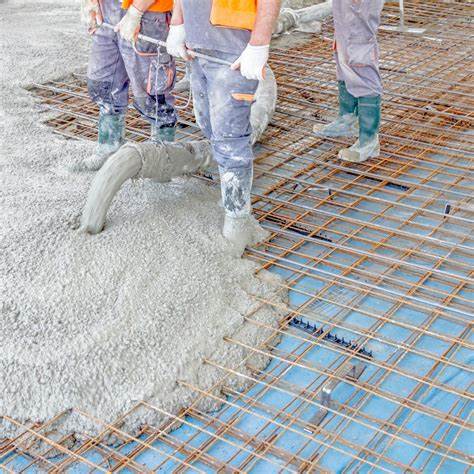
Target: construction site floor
(371, 368)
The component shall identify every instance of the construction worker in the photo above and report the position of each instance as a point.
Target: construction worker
(119, 60)
(239, 32)
(359, 81)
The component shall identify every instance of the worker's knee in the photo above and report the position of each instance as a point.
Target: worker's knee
(200, 96)
(203, 120)
(230, 117)
(233, 152)
(157, 110)
(231, 129)
(110, 100)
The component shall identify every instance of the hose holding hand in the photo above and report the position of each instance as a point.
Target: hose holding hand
(129, 25)
(252, 62)
(176, 42)
(91, 15)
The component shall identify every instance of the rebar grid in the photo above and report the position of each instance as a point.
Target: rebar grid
(380, 253)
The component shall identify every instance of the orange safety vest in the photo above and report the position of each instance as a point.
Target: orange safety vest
(158, 6)
(239, 14)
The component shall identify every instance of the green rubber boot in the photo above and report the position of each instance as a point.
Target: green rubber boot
(162, 134)
(111, 130)
(346, 124)
(368, 145)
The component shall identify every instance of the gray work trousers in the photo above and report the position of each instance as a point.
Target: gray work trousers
(356, 48)
(115, 65)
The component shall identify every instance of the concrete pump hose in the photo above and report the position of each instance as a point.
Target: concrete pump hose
(159, 161)
(264, 106)
(124, 164)
(306, 19)
(317, 12)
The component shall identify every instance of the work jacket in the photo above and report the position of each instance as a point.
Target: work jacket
(158, 6)
(239, 14)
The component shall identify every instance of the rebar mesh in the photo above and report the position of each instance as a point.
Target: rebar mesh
(379, 254)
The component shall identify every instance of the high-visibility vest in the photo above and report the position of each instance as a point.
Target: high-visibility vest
(239, 14)
(158, 6)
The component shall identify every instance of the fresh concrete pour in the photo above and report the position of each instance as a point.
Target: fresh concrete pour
(101, 322)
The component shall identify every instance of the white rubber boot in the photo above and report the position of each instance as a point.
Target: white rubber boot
(236, 231)
(240, 227)
(358, 154)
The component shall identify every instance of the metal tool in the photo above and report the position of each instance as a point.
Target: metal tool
(305, 326)
(355, 371)
(401, 27)
(156, 42)
(194, 54)
(325, 395)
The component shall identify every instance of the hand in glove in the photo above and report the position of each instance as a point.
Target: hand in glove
(175, 43)
(129, 25)
(91, 15)
(252, 62)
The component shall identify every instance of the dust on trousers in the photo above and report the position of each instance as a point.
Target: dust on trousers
(115, 66)
(356, 49)
(222, 103)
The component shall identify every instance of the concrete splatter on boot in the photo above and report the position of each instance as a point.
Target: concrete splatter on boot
(111, 129)
(368, 145)
(346, 124)
(162, 134)
(240, 227)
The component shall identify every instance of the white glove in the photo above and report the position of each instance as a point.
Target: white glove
(175, 43)
(91, 15)
(252, 62)
(129, 25)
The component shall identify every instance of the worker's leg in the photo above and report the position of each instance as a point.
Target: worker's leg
(198, 84)
(107, 83)
(357, 53)
(346, 123)
(230, 99)
(358, 67)
(152, 73)
(368, 145)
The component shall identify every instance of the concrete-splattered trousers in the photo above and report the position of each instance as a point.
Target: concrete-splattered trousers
(222, 103)
(357, 51)
(114, 66)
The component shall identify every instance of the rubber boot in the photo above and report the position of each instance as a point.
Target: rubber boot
(236, 185)
(346, 124)
(163, 129)
(162, 134)
(368, 145)
(111, 130)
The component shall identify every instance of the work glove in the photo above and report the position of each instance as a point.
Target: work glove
(91, 15)
(175, 43)
(252, 62)
(129, 26)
